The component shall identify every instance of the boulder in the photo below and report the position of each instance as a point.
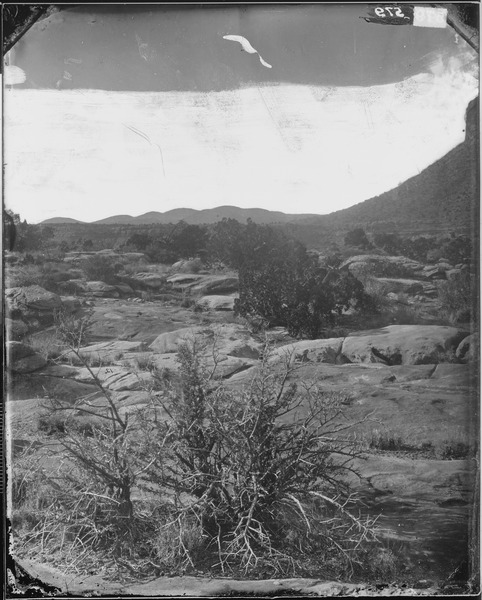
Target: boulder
(403, 344)
(453, 274)
(168, 342)
(433, 272)
(311, 351)
(124, 289)
(187, 266)
(215, 284)
(382, 266)
(15, 329)
(469, 349)
(181, 280)
(152, 281)
(100, 289)
(404, 286)
(216, 302)
(32, 300)
(230, 340)
(23, 359)
(74, 286)
(224, 367)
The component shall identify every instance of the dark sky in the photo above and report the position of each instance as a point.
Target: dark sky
(160, 48)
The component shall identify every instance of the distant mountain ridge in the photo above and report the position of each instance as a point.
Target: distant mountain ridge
(194, 217)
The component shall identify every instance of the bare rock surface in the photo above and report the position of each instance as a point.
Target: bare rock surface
(313, 351)
(227, 339)
(405, 286)
(222, 367)
(188, 586)
(169, 342)
(143, 321)
(114, 378)
(403, 344)
(148, 280)
(379, 265)
(105, 351)
(101, 289)
(217, 302)
(420, 479)
(401, 399)
(215, 284)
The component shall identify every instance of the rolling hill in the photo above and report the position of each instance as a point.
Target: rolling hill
(194, 217)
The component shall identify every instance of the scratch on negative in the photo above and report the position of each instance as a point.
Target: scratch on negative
(148, 139)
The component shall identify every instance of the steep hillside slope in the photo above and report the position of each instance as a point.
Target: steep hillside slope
(444, 195)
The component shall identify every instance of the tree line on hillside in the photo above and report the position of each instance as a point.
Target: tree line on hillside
(167, 243)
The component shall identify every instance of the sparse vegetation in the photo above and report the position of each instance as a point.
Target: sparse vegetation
(388, 440)
(47, 344)
(459, 298)
(101, 268)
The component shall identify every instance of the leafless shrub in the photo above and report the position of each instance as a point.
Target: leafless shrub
(251, 481)
(262, 470)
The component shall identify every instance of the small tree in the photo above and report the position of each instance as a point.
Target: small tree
(225, 242)
(281, 282)
(100, 268)
(358, 238)
(189, 241)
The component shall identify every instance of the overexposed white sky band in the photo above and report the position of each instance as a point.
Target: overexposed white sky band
(299, 146)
